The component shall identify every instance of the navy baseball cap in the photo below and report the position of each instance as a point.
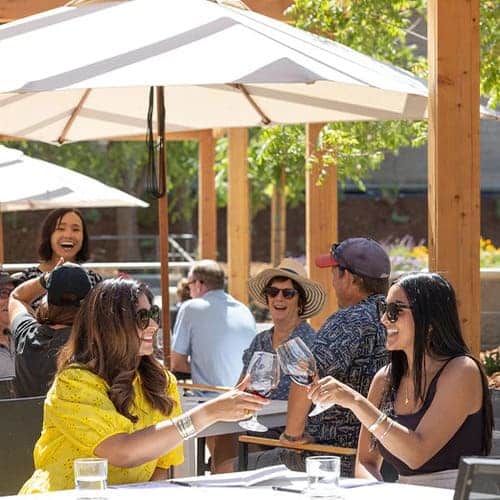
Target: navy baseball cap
(68, 285)
(361, 256)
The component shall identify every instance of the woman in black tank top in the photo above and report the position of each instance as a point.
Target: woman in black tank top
(431, 404)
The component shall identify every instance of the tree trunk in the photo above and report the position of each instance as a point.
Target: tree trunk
(278, 220)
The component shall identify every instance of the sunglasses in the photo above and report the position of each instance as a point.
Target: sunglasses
(5, 293)
(288, 293)
(391, 309)
(142, 316)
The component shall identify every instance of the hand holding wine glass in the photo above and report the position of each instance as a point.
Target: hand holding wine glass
(263, 370)
(298, 362)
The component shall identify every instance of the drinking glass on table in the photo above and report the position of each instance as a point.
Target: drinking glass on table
(264, 377)
(91, 476)
(323, 473)
(298, 362)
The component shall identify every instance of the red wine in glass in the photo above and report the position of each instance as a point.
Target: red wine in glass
(264, 377)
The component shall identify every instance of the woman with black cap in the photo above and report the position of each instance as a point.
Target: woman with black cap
(39, 336)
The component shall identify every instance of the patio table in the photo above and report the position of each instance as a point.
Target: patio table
(352, 489)
(272, 415)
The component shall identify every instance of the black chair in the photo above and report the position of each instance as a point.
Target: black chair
(20, 427)
(478, 479)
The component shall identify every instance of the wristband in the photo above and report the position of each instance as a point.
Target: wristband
(184, 426)
(292, 438)
(382, 417)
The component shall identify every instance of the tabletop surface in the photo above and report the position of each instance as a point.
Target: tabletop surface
(351, 489)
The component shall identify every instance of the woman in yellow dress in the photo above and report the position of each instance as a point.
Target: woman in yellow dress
(111, 398)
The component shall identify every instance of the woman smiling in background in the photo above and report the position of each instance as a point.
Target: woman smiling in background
(63, 235)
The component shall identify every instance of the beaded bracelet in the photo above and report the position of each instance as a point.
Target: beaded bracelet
(184, 426)
(382, 417)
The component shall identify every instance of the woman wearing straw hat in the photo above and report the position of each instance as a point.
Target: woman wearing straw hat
(291, 298)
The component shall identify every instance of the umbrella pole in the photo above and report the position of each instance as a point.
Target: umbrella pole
(1, 239)
(163, 227)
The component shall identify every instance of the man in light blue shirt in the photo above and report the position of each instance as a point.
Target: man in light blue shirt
(211, 332)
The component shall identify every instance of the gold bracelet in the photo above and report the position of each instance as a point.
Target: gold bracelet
(391, 423)
(184, 426)
(382, 417)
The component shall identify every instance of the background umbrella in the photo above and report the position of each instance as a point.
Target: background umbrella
(30, 184)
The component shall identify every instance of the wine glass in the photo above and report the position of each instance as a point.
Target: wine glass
(298, 362)
(264, 377)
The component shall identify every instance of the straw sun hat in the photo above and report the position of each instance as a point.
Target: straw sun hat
(289, 268)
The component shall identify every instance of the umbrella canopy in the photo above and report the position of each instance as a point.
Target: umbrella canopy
(30, 184)
(221, 66)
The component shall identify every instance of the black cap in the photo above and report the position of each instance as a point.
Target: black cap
(68, 285)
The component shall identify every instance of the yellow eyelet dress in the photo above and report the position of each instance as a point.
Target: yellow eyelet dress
(78, 416)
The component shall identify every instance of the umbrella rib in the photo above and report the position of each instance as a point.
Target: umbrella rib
(264, 118)
(73, 116)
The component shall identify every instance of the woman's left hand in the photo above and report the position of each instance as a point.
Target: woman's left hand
(329, 390)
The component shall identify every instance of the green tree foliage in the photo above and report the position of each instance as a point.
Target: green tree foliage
(490, 51)
(386, 31)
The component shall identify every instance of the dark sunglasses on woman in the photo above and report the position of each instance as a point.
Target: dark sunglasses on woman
(288, 293)
(143, 316)
(391, 309)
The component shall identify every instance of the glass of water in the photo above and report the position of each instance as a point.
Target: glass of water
(323, 473)
(91, 476)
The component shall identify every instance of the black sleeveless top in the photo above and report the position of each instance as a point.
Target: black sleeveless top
(467, 440)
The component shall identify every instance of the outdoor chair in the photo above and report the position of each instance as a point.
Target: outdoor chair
(20, 427)
(478, 478)
(7, 387)
(245, 441)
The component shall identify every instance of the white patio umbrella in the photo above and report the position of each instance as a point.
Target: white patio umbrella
(27, 183)
(220, 66)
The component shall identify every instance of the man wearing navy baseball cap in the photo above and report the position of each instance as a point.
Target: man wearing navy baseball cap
(349, 346)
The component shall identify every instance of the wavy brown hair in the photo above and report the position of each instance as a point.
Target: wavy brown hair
(104, 340)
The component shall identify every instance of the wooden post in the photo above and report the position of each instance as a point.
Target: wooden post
(278, 220)
(2, 254)
(321, 223)
(454, 168)
(207, 202)
(238, 214)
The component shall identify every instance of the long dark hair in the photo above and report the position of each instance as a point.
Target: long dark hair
(104, 340)
(49, 226)
(438, 333)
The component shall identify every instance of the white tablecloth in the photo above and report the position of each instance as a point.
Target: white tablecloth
(350, 490)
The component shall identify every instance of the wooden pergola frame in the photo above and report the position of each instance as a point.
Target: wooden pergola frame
(453, 153)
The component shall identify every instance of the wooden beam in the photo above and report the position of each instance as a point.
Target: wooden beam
(15, 9)
(207, 199)
(238, 214)
(454, 167)
(321, 223)
(270, 8)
